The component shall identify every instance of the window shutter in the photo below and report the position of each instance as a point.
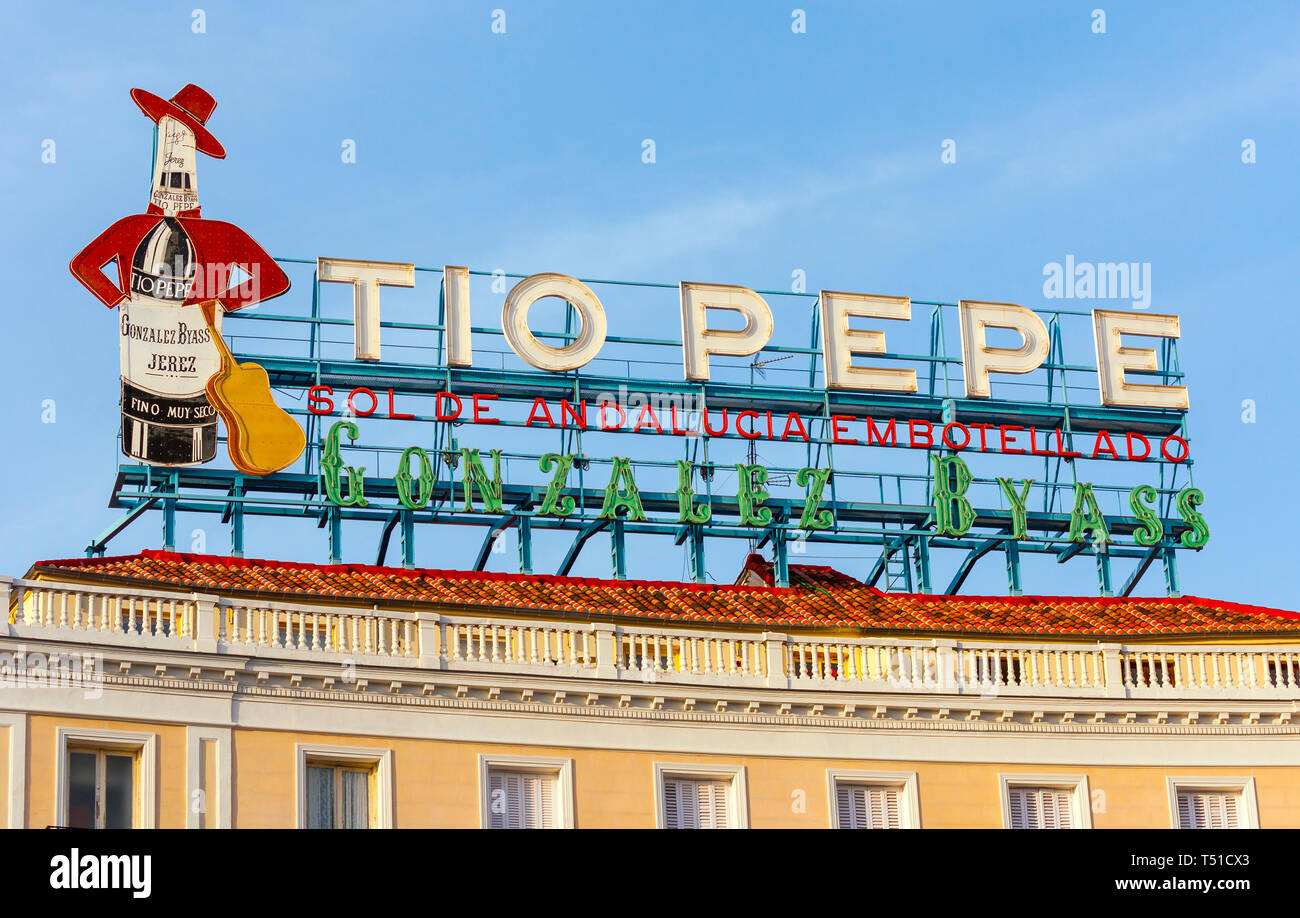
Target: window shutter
(696, 804)
(521, 800)
(1040, 808)
(1207, 810)
(863, 806)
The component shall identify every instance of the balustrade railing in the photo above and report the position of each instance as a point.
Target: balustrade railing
(40, 609)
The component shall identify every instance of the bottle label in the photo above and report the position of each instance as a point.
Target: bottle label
(166, 349)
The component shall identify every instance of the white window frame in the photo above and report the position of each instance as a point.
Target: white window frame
(562, 769)
(909, 804)
(381, 760)
(144, 746)
(737, 800)
(16, 724)
(1077, 785)
(1247, 804)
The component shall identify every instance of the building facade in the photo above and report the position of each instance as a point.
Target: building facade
(175, 690)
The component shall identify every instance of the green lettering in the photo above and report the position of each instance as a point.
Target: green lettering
(331, 465)
(403, 479)
(687, 510)
(1152, 530)
(1018, 500)
(1086, 516)
(621, 493)
(752, 494)
(953, 514)
(553, 504)
(815, 480)
(1187, 500)
(475, 476)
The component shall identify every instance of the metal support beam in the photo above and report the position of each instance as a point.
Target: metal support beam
(618, 549)
(408, 539)
(334, 521)
(580, 540)
(1015, 585)
(887, 548)
(1103, 570)
(525, 544)
(923, 564)
(781, 565)
(968, 564)
(1171, 573)
(696, 541)
(169, 514)
(1139, 571)
(100, 542)
(1070, 552)
(489, 540)
(237, 519)
(382, 555)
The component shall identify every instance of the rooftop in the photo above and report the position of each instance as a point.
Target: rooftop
(818, 597)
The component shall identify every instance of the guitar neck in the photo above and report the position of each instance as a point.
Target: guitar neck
(210, 316)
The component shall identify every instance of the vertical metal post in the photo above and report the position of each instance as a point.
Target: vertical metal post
(1103, 569)
(1014, 586)
(923, 564)
(618, 549)
(334, 521)
(525, 544)
(237, 519)
(697, 554)
(169, 514)
(782, 564)
(1171, 572)
(408, 539)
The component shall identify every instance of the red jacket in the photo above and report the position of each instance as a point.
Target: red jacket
(218, 249)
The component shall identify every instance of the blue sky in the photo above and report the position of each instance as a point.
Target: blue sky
(775, 151)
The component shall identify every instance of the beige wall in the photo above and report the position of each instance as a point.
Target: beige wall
(436, 782)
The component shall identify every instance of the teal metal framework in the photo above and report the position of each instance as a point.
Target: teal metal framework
(892, 510)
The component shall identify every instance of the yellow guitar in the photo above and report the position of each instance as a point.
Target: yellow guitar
(260, 436)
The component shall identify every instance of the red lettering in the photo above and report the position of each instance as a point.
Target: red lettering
(1060, 446)
(965, 433)
(837, 428)
(794, 420)
(1146, 446)
(481, 411)
(753, 434)
(888, 438)
(1033, 444)
(1164, 448)
(539, 403)
(622, 416)
(721, 430)
(915, 425)
(1108, 448)
(437, 406)
(374, 402)
(1003, 430)
(983, 429)
(324, 399)
(568, 412)
(393, 413)
(647, 411)
(672, 417)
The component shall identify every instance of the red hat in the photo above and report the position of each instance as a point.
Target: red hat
(192, 107)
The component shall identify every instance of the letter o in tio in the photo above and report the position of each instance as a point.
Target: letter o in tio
(1164, 448)
(514, 322)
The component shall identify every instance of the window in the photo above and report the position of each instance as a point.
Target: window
(525, 792)
(105, 779)
(1213, 803)
(521, 800)
(344, 787)
(873, 800)
(101, 789)
(338, 796)
(701, 797)
(1045, 802)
